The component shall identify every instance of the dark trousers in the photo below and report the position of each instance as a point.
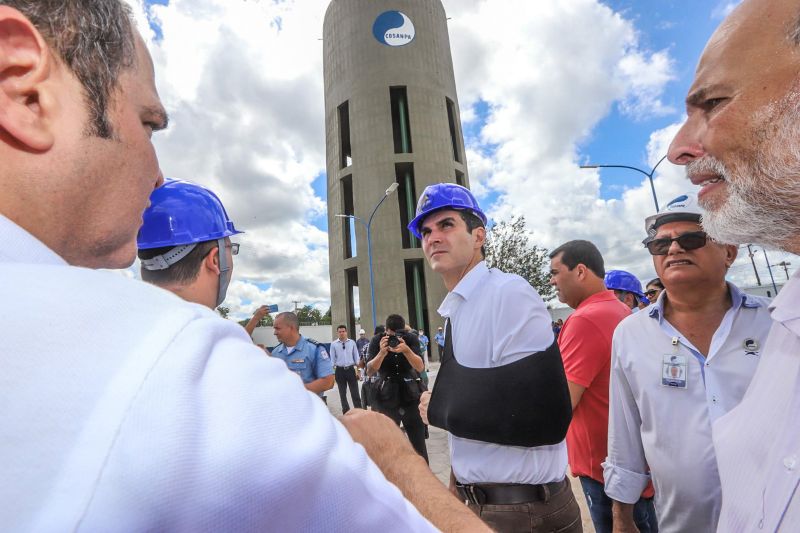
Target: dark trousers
(412, 422)
(644, 512)
(557, 512)
(439, 349)
(346, 377)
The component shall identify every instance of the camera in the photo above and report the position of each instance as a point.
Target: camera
(394, 339)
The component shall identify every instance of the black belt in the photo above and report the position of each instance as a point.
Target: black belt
(508, 493)
(346, 367)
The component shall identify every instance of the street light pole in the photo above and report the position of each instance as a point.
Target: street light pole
(775, 287)
(368, 226)
(752, 260)
(648, 174)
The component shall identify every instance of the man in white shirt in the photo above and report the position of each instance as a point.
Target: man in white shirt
(676, 368)
(133, 409)
(501, 391)
(345, 357)
(740, 144)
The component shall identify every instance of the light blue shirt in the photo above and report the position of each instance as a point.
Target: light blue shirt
(309, 359)
(758, 442)
(439, 338)
(423, 342)
(667, 429)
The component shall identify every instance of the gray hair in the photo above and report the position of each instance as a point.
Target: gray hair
(94, 39)
(289, 318)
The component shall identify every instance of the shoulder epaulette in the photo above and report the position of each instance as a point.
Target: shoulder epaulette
(312, 341)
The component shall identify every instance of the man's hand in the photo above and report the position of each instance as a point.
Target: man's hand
(384, 344)
(261, 312)
(424, 400)
(391, 451)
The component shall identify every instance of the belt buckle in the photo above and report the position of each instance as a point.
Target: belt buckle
(475, 494)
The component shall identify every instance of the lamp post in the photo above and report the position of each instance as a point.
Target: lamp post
(368, 226)
(774, 287)
(648, 174)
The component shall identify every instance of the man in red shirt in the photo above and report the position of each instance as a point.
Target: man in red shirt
(577, 271)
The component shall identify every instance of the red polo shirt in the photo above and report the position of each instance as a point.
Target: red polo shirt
(585, 344)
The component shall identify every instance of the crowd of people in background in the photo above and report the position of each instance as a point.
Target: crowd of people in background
(676, 406)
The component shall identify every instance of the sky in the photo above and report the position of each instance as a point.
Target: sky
(543, 88)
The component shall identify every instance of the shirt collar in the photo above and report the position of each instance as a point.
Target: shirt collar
(602, 296)
(464, 289)
(784, 306)
(19, 246)
(739, 299)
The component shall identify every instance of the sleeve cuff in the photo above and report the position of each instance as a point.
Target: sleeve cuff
(623, 485)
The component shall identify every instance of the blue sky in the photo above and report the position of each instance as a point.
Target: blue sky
(543, 86)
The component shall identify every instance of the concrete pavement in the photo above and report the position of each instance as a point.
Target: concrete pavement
(439, 451)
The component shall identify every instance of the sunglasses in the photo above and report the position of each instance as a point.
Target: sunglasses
(650, 293)
(688, 241)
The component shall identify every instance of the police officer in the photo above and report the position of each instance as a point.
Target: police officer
(501, 391)
(184, 243)
(305, 357)
(627, 288)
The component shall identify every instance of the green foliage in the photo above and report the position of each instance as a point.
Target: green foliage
(224, 311)
(509, 248)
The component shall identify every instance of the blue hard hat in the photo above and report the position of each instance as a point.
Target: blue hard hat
(623, 281)
(444, 196)
(180, 213)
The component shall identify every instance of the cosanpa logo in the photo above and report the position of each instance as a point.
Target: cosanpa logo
(393, 28)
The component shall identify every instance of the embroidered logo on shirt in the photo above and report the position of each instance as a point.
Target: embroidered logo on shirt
(750, 347)
(323, 353)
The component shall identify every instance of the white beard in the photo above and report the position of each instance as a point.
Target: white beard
(763, 201)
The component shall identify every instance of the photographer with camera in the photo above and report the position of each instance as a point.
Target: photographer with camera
(395, 357)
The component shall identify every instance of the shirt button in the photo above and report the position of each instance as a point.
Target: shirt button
(790, 462)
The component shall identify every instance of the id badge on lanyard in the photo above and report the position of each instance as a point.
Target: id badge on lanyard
(674, 368)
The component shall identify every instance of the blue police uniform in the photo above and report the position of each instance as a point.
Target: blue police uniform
(309, 359)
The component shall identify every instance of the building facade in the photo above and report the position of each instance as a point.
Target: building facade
(391, 116)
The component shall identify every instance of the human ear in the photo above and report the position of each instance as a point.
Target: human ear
(211, 261)
(731, 252)
(480, 236)
(25, 102)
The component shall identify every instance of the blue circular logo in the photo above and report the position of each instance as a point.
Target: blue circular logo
(393, 28)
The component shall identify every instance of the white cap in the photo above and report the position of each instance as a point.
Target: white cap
(362, 332)
(682, 208)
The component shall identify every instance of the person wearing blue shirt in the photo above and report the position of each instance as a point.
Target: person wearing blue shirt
(439, 338)
(305, 357)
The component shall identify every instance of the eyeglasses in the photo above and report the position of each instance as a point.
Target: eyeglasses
(650, 293)
(234, 248)
(687, 241)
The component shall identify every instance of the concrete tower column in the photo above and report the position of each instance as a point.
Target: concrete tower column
(391, 115)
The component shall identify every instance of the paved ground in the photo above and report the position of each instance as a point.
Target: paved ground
(439, 452)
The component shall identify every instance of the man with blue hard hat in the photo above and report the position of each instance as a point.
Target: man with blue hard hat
(501, 392)
(627, 288)
(305, 357)
(677, 367)
(184, 243)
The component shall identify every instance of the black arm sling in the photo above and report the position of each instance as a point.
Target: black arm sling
(524, 403)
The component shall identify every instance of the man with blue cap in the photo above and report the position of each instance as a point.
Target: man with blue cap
(501, 392)
(676, 367)
(184, 243)
(627, 288)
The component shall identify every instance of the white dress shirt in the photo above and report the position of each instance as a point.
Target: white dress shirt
(498, 318)
(127, 409)
(758, 442)
(669, 427)
(344, 353)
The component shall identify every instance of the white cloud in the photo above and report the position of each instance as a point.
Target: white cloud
(245, 94)
(242, 82)
(724, 8)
